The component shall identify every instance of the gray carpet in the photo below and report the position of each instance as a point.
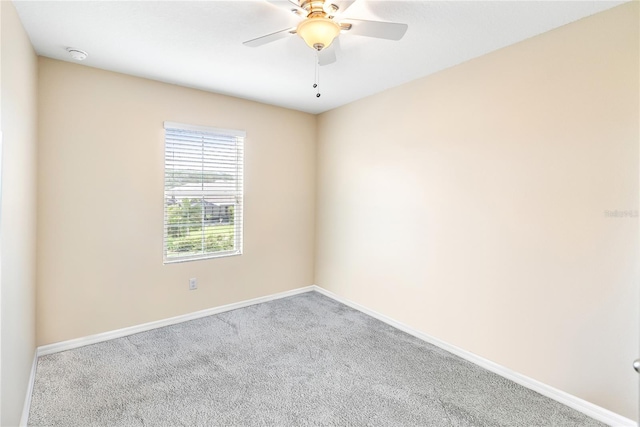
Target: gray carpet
(303, 360)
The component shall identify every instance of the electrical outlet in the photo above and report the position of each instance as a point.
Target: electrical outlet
(193, 284)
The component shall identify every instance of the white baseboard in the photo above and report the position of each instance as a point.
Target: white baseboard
(105, 336)
(27, 399)
(594, 411)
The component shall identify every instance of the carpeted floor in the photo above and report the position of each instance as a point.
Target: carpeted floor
(303, 360)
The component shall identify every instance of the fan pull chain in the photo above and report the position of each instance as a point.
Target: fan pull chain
(316, 84)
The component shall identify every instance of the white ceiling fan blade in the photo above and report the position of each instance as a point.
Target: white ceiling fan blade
(270, 37)
(291, 5)
(328, 56)
(342, 5)
(378, 29)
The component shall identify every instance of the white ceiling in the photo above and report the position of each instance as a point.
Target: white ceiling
(199, 44)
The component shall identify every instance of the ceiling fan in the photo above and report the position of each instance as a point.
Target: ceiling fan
(321, 25)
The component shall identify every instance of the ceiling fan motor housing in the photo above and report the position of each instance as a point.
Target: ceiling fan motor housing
(318, 8)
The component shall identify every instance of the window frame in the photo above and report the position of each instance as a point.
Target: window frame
(239, 194)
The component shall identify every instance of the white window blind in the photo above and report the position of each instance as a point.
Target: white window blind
(203, 170)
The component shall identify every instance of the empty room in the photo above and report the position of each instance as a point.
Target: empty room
(317, 212)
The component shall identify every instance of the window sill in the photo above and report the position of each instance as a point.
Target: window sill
(201, 257)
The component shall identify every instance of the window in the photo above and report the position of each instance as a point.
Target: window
(202, 192)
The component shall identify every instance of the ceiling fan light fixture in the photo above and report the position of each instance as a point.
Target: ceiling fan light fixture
(318, 33)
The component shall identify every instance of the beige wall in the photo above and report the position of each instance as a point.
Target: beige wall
(470, 205)
(100, 201)
(18, 85)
